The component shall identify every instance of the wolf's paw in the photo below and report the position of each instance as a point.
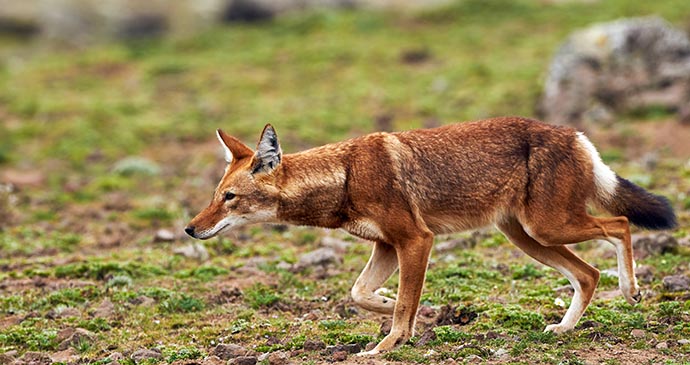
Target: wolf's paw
(557, 328)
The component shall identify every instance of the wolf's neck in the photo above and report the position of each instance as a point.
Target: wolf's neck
(312, 185)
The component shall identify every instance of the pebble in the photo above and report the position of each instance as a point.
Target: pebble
(80, 335)
(229, 351)
(105, 310)
(278, 358)
(637, 333)
(662, 346)
(320, 257)
(315, 345)
(676, 283)
(145, 354)
(194, 250)
(684, 342)
(340, 356)
(164, 235)
(244, 360)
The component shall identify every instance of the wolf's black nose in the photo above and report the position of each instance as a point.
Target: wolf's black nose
(190, 230)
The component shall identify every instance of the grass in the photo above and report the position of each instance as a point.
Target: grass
(122, 137)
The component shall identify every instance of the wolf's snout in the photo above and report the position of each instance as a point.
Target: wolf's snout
(190, 231)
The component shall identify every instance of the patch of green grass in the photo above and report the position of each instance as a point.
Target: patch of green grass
(406, 354)
(203, 273)
(184, 353)
(32, 339)
(100, 270)
(261, 296)
(181, 303)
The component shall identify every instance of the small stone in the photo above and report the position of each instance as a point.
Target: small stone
(321, 257)
(164, 235)
(676, 283)
(65, 356)
(661, 346)
(336, 244)
(278, 358)
(474, 359)
(104, 310)
(426, 311)
(564, 290)
(313, 315)
(500, 353)
(683, 342)
(6, 359)
(386, 327)
(35, 358)
(462, 243)
(116, 356)
(136, 165)
(314, 345)
(64, 312)
(345, 311)
(244, 360)
(370, 346)
(229, 351)
(80, 335)
(644, 274)
(144, 354)
(349, 348)
(637, 333)
(194, 250)
(426, 337)
(143, 300)
(340, 356)
(213, 360)
(64, 334)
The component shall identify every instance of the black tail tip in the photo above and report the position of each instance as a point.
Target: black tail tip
(647, 210)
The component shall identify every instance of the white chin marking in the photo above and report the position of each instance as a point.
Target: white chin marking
(604, 178)
(224, 225)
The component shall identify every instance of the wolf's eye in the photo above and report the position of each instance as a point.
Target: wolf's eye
(229, 196)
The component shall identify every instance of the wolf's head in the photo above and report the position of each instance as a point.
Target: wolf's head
(247, 192)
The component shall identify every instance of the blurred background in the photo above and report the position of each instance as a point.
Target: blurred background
(108, 110)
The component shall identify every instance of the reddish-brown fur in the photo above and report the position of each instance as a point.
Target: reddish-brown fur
(400, 189)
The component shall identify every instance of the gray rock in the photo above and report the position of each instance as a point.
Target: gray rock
(193, 250)
(501, 353)
(426, 337)
(229, 351)
(683, 342)
(618, 66)
(144, 354)
(278, 358)
(657, 244)
(80, 335)
(6, 359)
(638, 333)
(661, 346)
(677, 283)
(314, 345)
(339, 356)
(321, 257)
(244, 360)
(135, 165)
(164, 235)
(104, 310)
(35, 358)
(644, 273)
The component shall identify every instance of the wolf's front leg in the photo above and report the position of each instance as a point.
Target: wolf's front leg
(380, 267)
(413, 256)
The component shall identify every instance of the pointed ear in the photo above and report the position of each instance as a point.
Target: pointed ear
(268, 153)
(234, 149)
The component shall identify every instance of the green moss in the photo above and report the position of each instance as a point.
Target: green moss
(260, 295)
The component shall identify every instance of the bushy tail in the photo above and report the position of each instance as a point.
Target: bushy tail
(641, 207)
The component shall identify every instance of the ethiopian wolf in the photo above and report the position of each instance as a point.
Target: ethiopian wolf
(532, 180)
